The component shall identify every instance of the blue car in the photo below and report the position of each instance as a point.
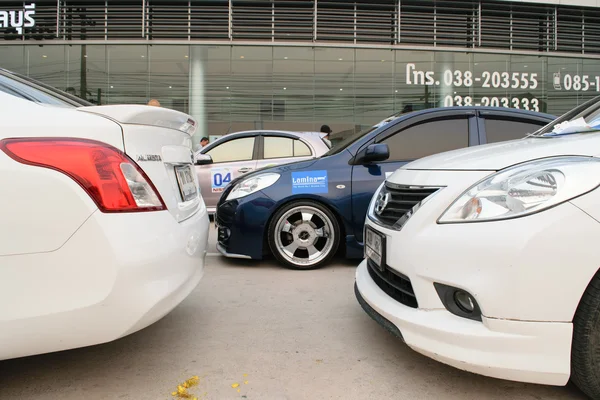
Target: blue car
(304, 212)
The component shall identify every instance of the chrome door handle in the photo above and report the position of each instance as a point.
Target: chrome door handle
(244, 170)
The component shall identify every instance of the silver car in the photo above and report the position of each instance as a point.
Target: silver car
(234, 154)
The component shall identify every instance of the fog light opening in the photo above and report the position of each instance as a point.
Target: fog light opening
(458, 301)
(464, 301)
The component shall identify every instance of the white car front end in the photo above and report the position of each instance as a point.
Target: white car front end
(492, 296)
(79, 265)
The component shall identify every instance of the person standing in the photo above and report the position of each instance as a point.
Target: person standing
(204, 142)
(154, 103)
(326, 130)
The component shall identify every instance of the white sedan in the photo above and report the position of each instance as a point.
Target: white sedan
(487, 258)
(103, 229)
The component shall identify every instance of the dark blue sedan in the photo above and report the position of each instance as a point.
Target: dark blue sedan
(302, 212)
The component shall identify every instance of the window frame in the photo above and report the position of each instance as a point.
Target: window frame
(261, 147)
(469, 115)
(511, 116)
(236, 137)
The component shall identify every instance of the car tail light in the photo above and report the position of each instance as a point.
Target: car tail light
(109, 176)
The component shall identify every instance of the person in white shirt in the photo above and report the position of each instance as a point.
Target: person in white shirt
(327, 130)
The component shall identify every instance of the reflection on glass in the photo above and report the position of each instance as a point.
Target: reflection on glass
(334, 88)
(169, 76)
(128, 74)
(87, 75)
(500, 130)
(410, 89)
(301, 149)
(428, 138)
(278, 147)
(47, 64)
(301, 88)
(233, 150)
(373, 84)
(13, 58)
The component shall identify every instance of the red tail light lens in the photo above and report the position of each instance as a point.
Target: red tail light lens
(113, 180)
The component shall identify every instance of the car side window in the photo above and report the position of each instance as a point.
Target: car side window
(500, 129)
(283, 147)
(427, 138)
(301, 149)
(240, 149)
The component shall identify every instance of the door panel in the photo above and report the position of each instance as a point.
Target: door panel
(215, 177)
(278, 161)
(408, 142)
(231, 159)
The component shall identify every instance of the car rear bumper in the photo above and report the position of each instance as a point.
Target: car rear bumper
(536, 352)
(116, 275)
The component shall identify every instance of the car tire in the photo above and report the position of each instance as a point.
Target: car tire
(585, 354)
(304, 235)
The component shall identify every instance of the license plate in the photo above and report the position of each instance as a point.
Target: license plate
(187, 183)
(374, 247)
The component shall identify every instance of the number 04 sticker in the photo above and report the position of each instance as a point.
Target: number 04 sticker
(220, 178)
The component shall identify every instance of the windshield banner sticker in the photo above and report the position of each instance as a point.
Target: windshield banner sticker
(309, 182)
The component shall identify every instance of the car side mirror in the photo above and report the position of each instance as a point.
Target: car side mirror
(203, 159)
(373, 153)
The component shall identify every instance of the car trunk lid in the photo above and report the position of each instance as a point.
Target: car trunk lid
(159, 140)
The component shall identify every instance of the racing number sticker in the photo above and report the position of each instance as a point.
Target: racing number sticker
(220, 178)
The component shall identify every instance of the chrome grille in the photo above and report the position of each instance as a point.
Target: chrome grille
(396, 203)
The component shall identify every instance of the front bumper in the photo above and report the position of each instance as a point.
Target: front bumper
(241, 226)
(536, 352)
(526, 274)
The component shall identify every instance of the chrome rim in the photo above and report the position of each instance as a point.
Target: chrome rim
(304, 235)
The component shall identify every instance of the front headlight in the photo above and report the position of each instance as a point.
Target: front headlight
(252, 184)
(525, 189)
(377, 201)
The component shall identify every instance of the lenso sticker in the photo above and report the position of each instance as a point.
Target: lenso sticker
(220, 178)
(309, 182)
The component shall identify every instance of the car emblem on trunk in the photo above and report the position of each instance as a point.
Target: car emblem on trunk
(149, 157)
(381, 202)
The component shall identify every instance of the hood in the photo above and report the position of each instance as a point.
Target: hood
(146, 115)
(493, 157)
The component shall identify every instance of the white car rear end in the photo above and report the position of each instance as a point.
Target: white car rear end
(103, 227)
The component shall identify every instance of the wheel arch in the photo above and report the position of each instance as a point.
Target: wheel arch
(583, 289)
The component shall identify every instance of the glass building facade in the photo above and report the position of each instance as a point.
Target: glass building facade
(297, 65)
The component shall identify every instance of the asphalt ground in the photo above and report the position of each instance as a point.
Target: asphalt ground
(255, 330)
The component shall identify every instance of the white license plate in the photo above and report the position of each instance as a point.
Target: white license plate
(374, 246)
(187, 183)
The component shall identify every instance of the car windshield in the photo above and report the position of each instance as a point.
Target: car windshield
(582, 119)
(347, 141)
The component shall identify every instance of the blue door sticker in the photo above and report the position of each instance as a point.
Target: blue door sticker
(309, 182)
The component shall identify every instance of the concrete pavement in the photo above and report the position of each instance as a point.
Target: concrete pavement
(288, 334)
